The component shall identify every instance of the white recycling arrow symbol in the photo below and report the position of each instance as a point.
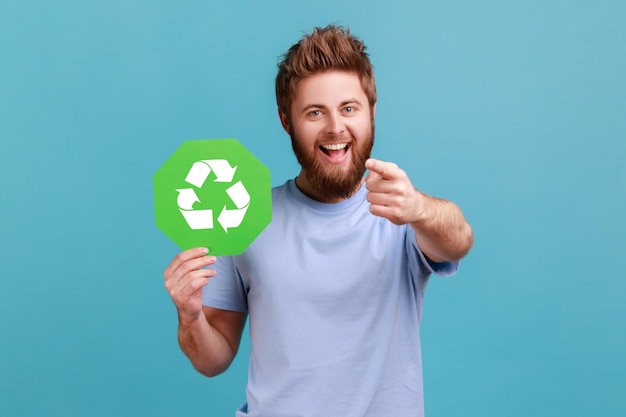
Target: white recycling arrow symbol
(203, 219)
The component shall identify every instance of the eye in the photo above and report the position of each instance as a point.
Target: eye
(349, 109)
(315, 113)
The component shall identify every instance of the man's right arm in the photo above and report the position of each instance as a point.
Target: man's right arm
(209, 337)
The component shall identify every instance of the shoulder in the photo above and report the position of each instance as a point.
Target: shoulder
(280, 192)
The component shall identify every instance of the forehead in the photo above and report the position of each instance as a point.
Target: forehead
(329, 88)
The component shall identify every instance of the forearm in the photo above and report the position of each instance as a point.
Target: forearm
(442, 232)
(207, 349)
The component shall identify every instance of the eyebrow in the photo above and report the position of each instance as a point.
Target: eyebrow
(351, 101)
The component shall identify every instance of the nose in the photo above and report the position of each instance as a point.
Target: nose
(334, 124)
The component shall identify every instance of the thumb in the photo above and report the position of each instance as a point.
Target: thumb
(375, 168)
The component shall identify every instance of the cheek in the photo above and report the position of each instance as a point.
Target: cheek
(363, 129)
(306, 134)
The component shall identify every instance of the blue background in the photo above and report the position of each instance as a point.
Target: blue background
(515, 110)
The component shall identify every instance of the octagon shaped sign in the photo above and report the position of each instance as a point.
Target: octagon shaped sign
(214, 194)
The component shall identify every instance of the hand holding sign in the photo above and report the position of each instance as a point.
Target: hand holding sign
(184, 278)
(212, 181)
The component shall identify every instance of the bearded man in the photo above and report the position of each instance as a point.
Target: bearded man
(333, 287)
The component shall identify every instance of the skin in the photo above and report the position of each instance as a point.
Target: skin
(441, 230)
(329, 108)
(209, 336)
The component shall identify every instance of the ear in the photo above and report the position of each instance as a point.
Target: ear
(284, 120)
(373, 110)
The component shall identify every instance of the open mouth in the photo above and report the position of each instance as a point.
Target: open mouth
(335, 152)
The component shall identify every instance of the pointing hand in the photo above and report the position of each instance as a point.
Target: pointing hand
(391, 193)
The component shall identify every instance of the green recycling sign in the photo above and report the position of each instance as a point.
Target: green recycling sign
(212, 193)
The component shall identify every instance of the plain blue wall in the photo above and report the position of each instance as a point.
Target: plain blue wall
(516, 110)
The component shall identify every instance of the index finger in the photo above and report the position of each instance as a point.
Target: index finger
(185, 256)
(386, 170)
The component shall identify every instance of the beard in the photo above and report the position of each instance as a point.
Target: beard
(335, 182)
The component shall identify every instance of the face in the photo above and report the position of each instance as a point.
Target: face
(332, 134)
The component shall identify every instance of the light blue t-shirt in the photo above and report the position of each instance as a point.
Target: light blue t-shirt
(334, 296)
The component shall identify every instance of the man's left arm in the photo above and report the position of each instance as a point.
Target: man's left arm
(442, 232)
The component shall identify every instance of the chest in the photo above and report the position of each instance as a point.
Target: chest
(325, 265)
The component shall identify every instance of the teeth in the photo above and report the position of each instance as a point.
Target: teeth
(334, 146)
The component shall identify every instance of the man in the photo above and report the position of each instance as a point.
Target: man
(334, 285)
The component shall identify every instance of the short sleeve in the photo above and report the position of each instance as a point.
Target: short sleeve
(226, 290)
(441, 269)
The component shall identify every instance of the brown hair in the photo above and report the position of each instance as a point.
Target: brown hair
(329, 48)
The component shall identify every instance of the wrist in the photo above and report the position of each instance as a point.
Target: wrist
(189, 321)
(420, 214)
